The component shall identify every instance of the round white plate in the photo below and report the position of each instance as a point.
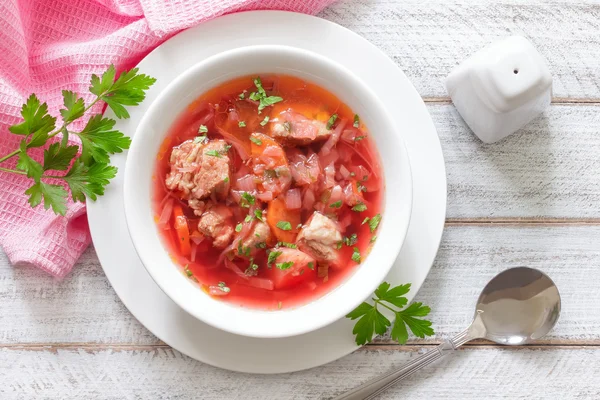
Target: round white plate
(162, 316)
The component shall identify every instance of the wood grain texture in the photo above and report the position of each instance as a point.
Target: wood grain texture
(426, 39)
(472, 373)
(549, 169)
(84, 309)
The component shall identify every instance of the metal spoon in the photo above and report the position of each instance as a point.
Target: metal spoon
(517, 306)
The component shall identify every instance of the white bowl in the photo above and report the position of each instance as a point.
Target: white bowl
(138, 186)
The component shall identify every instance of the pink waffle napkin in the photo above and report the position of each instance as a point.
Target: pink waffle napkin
(50, 45)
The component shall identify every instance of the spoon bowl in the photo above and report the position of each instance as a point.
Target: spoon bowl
(517, 306)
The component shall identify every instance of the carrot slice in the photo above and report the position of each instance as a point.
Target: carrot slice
(260, 142)
(183, 233)
(278, 215)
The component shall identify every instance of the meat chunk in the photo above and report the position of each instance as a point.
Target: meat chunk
(261, 233)
(319, 238)
(295, 129)
(217, 224)
(200, 169)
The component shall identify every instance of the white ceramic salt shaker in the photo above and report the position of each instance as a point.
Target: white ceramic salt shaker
(501, 88)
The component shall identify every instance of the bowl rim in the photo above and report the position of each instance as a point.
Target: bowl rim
(389, 253)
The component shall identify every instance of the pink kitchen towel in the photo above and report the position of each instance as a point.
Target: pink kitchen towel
(50, 45)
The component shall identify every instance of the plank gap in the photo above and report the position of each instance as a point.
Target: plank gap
(511, 221)
(445, 100)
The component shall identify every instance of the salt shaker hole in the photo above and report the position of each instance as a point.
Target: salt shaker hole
(515, 71)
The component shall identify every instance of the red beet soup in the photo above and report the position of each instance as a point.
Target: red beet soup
(268, 191)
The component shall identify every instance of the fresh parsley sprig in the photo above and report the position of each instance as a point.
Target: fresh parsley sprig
(88, 174)
(371, 321)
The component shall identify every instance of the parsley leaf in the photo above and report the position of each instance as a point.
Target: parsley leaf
(247, 200)
(351, 240)
(337, 204)
(264, 121)
(256, 141)
(213, 153)
(25, 163)
(259, 215)
(242, 124)
(89, 181)
(273, 256)
(58, 158)
(356, 255)
(356, 123)
(284, 225)
(54, 196)
(285, 265)
(74, 106)
(331, 121)
(128, 90)
(36, 120)
(98, 139)
(360, 207)
(238, 227)
(371, 321)
(261, 96)
(202, 129)
(374, 222)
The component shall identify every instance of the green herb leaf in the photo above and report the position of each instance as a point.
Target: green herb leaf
(374, 222)
(370, 321)
(223, 287)
(394, 295)
(242, 124)
(373, 239)
(286, 244)
(54, 196)
(226, 179)
(256, 140)
(356, 121)
(331, 121)
(98, 140)
(359, 138)
(259, 215)
(74, 106)
(356, 255)
(89, 181)
(36, 122)
(128, 90)
(264, 121)
(410, 316)
(202, 129)
(213, 153)
(247, 200)
(200, 139)
(351, 240)
(360, 207)
(337, 204)
(242, 96)
(285, 265)
(284, 225)
(25, 163)
(58, 158)
(273, 256)
(311, 265)
(238, 227)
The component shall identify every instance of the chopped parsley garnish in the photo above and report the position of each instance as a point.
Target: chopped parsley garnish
(264, 121)
(356, 255)
(284, 225)
(351, 240)
(200, 139)
(226, 179)
(247, 251)
(339, 245)
(273, 256)
(360, 207)
(259, 215)
(311, 265)
(287, 126)
(223, 287)
(286, 244)
(360, 187)
(365, 220)
(371, 320)
(202, 129)
(331, 121)
(247, 200)
(373, 239)
(242, 96)
(187, 271)
(285, 265)
(240, 248)
(213, 153)
(374, 222)
(261, 96)
(238, 227)
(256, 141)
(248, 218)
(337, 204)
(252, 268)
(242, 124)
(356, 121)
(261, 245)
(358, 138)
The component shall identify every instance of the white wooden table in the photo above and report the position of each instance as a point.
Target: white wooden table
(533, 199)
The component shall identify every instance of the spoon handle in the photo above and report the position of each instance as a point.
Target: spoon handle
(374, 387)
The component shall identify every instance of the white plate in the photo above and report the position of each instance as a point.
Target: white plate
(162, 316)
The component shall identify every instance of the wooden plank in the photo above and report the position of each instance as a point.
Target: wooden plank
(549, 169)
(428, 39)
(489, 373)
(84, 309)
